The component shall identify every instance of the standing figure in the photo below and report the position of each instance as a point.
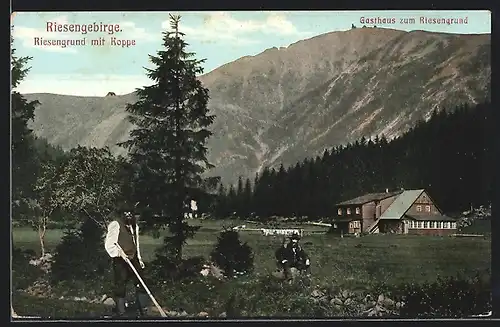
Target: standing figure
(124, 231)
(280, 254)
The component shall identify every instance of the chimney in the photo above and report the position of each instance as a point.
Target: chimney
(386, 190)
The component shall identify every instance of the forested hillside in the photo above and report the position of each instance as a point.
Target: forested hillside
(450, 155)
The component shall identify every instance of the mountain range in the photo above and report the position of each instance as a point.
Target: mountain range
(286, 104)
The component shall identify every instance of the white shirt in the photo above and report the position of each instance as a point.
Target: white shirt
(112, 238)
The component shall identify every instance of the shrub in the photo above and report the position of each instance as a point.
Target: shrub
(81, 257)
(450, 297)
(163, 267)
(167, 268)
(23, 273)
(232, 256)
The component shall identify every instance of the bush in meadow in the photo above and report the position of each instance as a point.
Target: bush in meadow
(231, 255)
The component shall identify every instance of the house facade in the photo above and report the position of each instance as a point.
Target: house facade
(359, 214)
(401, 212)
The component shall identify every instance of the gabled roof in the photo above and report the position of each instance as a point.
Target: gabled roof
(370, 197)
(401, 205)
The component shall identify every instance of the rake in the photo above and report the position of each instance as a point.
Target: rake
(124, 256)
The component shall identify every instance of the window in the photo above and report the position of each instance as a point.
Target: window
(453, 225)
(348, 211)
(440, 225)
(419, 224)
(339, 211)
(426, 224)
(419, 208)
(358, 210)
(427, 208)
(447, 225)
(412, 224)
(434, 224)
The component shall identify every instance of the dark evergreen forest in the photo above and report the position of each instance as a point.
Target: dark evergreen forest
(450, 155)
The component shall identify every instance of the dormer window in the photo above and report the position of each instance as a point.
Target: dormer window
(339, 211)
(348, 211)
(427, 208)
(358, 210)
(419, 208)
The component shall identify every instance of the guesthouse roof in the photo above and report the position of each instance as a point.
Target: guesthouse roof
(401, 204)
(369, 198)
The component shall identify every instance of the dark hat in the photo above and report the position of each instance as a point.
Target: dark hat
(124, 207)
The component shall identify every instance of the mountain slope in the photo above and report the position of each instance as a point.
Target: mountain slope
(385, 92)
(285, 104)
(69, 121)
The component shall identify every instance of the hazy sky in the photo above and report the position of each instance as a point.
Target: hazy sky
(219, 37)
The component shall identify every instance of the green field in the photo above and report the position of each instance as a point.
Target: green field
(343, 261)
(347, 263)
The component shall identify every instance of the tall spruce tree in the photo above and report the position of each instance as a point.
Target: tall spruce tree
(232, 200)
(221, 207)
(247, 198)
(240, 202)
(168, 144)
(24, 163)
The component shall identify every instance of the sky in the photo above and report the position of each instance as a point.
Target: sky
(218, 37)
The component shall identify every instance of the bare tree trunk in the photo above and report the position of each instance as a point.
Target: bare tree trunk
(42, 229)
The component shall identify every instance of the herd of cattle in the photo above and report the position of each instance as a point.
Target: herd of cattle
(282, 231)
(273, 231)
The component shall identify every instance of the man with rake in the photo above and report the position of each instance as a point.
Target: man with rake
(122, 239)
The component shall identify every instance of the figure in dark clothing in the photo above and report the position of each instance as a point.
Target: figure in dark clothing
(125, 232)
(280, 253)
(292, 255)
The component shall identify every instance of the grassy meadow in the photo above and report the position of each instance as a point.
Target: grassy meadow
(345, 261)
(363, 264)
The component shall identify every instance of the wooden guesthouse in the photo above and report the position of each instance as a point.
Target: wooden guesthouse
(401, 212)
